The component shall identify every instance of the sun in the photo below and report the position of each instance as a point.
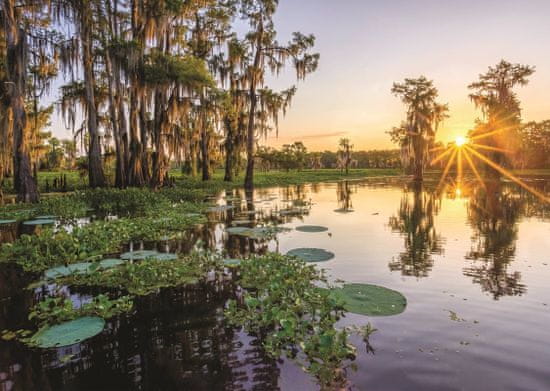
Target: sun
(461, 141)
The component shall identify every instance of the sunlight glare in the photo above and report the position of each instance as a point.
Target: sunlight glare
(460, 141)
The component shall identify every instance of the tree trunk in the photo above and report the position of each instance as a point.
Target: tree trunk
(229, 151)
(16, 48)
(251, 133)
(95, 165)
(205, 154)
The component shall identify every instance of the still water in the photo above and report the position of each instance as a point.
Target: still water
(474, 264)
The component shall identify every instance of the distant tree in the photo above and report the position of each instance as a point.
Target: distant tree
(534, 146)
(493, 94)
(416, 134)
(345, 153)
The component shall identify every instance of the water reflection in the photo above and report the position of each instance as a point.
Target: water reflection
(415, 221)
(493, 214)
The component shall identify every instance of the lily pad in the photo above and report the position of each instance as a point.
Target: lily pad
(139, 255)
(344, 210)
(311, 254)
(241, 222)
(311, 228)
(237, 230)
(6, 222)
(232, 262)
(45, 217)
(109, 263)
(165, 257)
(292, 212)
(68, 333)
(264, 232)
(372, 300)
(39, 222)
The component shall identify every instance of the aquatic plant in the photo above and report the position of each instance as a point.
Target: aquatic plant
(68, 333)
(284, 306)
(311, 254)
(311, 228)
(372, 300)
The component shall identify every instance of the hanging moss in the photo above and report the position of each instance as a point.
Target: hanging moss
(311, 228)
(68, 333)
(372, 300)
(311, 254)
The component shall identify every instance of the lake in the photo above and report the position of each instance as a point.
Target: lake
(473, 263)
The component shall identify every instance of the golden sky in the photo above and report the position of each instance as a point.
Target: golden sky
(367, 45)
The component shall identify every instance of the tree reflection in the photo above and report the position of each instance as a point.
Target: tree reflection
(415, 222)
(493, 214)
(344, 192)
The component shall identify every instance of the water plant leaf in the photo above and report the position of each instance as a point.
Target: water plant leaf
(311, 254)
(6, 222)
(311, 228)
(109, 263)
(139, 255)
(232, 262)
(237, 230)
(39, 222)
(371, 300)
(49, 217)
(241, 222)
(165, 257)
(68, 333)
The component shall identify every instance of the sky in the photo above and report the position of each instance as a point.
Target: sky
(367, 45)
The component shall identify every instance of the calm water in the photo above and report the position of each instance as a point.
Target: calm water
(474, 265)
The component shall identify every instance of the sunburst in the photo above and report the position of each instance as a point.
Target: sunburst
(468, 150)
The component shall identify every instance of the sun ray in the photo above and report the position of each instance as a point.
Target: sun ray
(474, 168)
(447, 168)
(489, 148)
(441, 156)
(509, 175)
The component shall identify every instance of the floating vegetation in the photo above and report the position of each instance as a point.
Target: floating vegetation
(344, 210)
(39, 222)
(68, 333)
(46, 217)
(139, 255)
(7, 222)
(311, 254)
(371, 300)
(297, 318)
(311, 228)
(232, 262)
(81, 268)
(150, 275)
(237, 230)
(241, 222)
(292, 212)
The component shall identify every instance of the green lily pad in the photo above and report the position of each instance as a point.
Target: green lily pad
(344, 210)
(311, 254)
(39, 222)
(237, 230)
(165, 257)
(45, 217)
(68, 333)
(109, 263)
(232, 262)
(264, 232)
(371, 300)
(6, 222)
(311, 228)
(139, 255)
(241, 222)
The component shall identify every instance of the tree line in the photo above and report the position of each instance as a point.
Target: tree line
(149, 81)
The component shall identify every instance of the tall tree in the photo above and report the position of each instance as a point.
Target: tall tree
(494, 94)
(424, 114)
(268, 54)
(345, 152)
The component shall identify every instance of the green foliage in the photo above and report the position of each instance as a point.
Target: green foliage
(187, 71)
(148, 276)
(55, 310)
(284, 306)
